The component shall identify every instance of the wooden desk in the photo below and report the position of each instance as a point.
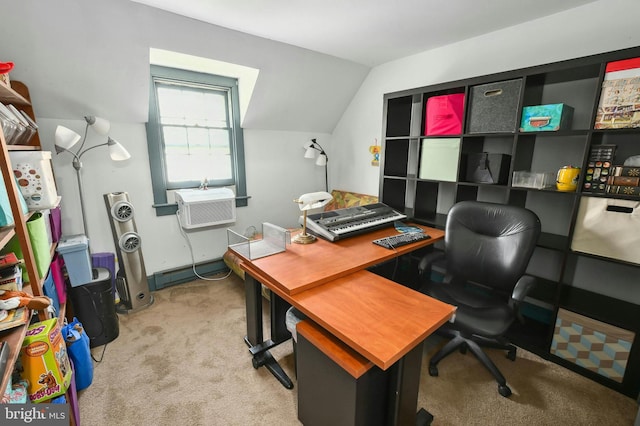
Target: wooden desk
(304, 266)
(380, 319)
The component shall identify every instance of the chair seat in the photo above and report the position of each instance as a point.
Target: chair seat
(485, 316)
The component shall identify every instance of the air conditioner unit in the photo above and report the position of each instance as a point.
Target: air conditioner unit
(205, 207)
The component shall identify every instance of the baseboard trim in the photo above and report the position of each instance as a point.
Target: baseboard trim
(182, 274)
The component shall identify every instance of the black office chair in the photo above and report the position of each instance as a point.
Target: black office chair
(487, 250)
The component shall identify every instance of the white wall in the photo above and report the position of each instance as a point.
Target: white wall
(91, 57)
(594, 28)
(82, 57)
(276, 175)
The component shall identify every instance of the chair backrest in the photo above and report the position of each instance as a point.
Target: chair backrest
(490, 244)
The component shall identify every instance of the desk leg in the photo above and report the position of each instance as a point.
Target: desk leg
(403, 391)
(258, 348)
(253, 300)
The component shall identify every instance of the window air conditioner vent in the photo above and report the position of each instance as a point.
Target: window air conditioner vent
(198, 208)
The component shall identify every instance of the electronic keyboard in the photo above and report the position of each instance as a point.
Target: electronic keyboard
(338, 224)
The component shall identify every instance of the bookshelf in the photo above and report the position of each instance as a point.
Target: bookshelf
(601, 288)
(18, 95)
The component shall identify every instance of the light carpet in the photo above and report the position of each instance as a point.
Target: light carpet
(183, 361)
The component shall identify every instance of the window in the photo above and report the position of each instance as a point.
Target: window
(194, 134)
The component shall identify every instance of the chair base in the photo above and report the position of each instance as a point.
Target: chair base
(462, 343)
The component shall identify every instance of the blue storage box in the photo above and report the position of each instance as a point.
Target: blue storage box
(75, 252)
(542, 118)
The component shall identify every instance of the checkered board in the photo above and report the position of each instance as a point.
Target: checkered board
(594, 345)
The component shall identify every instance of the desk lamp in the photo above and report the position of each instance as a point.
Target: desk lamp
(306, 202)
(65, 139)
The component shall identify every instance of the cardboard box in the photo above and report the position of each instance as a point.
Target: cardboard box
(45, 363)
(544, 118)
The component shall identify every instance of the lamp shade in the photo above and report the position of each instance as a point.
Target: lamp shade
(100, 125)
(321, 160)
(313, 200)
(310, 152)
(117, 152)
(65, 138)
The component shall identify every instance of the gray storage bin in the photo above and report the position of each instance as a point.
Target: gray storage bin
(493, 107)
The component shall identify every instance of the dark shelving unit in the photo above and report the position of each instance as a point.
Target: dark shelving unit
(568, 280)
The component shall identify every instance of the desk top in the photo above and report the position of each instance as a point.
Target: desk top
(380, 319)
(304, 266)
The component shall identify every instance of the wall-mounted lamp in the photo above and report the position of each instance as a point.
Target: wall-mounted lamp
(65, 139)
(306, 202)
(311, 149)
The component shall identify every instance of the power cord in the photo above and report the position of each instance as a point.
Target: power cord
(193, 261)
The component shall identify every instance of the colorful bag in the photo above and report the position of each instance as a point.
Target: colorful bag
(78, 349)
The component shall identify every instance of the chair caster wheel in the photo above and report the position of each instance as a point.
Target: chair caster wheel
(256, 363)
(463, 349)
(504, 391)
(433, 371)
(511, 355)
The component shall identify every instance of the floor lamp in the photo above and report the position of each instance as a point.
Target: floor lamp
(65, 139)
(310, 152)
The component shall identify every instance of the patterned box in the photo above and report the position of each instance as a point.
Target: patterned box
(594, 345)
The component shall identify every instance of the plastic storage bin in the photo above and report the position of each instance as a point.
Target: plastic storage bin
(35, 178)
(75, 252)
(533, 180)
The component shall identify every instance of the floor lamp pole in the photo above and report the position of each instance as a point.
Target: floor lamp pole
(77, 164)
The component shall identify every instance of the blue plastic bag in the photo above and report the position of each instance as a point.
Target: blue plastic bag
(79, 352)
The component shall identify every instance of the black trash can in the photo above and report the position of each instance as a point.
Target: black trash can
(94, 306)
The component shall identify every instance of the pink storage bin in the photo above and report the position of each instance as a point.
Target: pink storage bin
(57, 268)
(444, 115)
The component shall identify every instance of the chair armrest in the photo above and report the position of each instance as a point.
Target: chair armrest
(520, 291)
(425, 264)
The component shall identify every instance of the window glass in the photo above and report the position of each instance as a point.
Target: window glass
(194, 132)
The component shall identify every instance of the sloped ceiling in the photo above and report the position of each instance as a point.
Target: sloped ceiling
(82, 57)
(368, 32)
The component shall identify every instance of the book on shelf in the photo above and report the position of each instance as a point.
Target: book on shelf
(626, 171)
(11, 278)
(14, 318)
(619, 107)
(623, 180)
(623, 190)
(8, 260)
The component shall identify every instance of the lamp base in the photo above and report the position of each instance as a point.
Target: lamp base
(304, 238)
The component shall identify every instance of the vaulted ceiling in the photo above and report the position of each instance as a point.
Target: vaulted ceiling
(369, 32)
